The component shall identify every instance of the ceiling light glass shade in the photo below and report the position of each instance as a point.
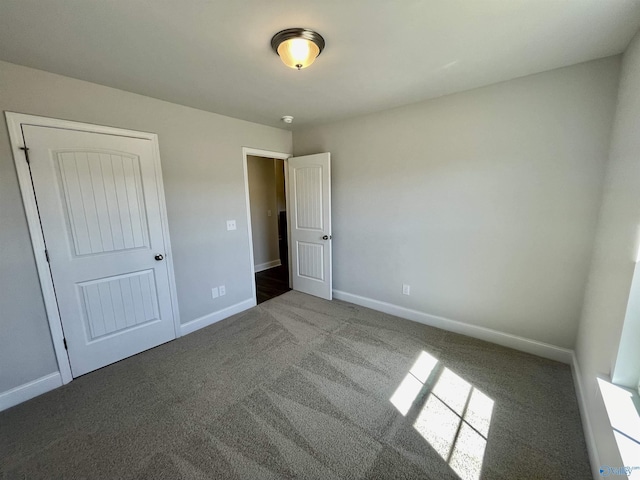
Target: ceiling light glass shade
(297, 47)
(298, 53)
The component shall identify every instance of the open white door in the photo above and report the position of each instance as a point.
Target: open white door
(99, 202)
(310, 224)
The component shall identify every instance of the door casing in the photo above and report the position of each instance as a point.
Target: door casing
(14, 124)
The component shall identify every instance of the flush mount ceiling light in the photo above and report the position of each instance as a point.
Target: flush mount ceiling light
(297, 47)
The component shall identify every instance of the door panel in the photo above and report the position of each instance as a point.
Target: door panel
(114, 304)
(99, 209)
(310, 260)
(308, 188)
(103, 196)
(310, 179)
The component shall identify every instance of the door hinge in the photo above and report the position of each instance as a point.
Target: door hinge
(25, 149)
(46, 254)
(64, 340)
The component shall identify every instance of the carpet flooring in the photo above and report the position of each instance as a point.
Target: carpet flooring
(299, 387)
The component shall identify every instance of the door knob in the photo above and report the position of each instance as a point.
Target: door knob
(326, 237)
(159, 257)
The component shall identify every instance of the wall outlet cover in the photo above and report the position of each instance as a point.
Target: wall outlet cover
(214, 292)
(222, 289)
(406, 289)
(231, 224)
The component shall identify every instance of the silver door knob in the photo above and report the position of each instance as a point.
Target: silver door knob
(159, 257)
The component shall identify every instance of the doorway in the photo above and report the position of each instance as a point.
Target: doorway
(306, 221)
(268, 220)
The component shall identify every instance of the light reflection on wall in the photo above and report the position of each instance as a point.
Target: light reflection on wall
(623, 409)
(454, 418)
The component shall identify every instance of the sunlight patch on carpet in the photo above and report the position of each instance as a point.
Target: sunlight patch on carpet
(454, 418)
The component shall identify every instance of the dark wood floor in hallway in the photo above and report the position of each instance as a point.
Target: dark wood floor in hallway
(272, 283)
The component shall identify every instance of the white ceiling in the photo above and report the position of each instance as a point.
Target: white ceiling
(215, 55)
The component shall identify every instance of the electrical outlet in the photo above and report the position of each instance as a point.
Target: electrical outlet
(214, 292)
(222, 289)
(406, 289)
(268, 213)
(231, 224)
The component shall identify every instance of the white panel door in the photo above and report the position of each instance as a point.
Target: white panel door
(99, 209)
(310, 196)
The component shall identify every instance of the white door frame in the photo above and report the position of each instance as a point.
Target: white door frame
(14, 124)
(246, 151)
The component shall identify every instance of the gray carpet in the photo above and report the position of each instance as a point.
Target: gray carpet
(299, 387)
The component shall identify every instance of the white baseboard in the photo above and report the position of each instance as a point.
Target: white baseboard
(266, 266)
(214, 317)
(27, 391)
(592, 449)
(534, 347)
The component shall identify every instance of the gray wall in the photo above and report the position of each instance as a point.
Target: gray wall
(202, 167)
(262, 195)
(281, 199)
(615, 254)
(485, 202)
